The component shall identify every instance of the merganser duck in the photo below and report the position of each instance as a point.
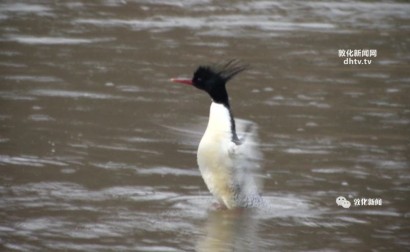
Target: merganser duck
(223, 158)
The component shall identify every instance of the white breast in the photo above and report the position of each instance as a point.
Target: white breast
(218, 159)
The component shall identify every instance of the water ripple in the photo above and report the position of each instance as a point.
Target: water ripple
(32, 40)
(33, 161)
(71, 94)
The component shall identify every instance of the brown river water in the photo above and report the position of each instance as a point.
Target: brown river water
(98, 148)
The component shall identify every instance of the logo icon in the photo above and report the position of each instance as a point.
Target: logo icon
(342, 201)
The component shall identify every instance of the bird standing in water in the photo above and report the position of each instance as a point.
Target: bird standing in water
(224, 159)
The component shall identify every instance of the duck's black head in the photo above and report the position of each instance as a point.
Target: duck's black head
(213, 78)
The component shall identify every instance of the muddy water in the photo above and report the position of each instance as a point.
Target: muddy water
(97, 148)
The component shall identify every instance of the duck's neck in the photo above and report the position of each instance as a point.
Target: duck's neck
(221, 120)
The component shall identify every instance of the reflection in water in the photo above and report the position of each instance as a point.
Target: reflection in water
(97, 149)
(241, 229)
(231, 230)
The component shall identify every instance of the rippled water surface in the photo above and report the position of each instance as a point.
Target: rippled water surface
(98, 149)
